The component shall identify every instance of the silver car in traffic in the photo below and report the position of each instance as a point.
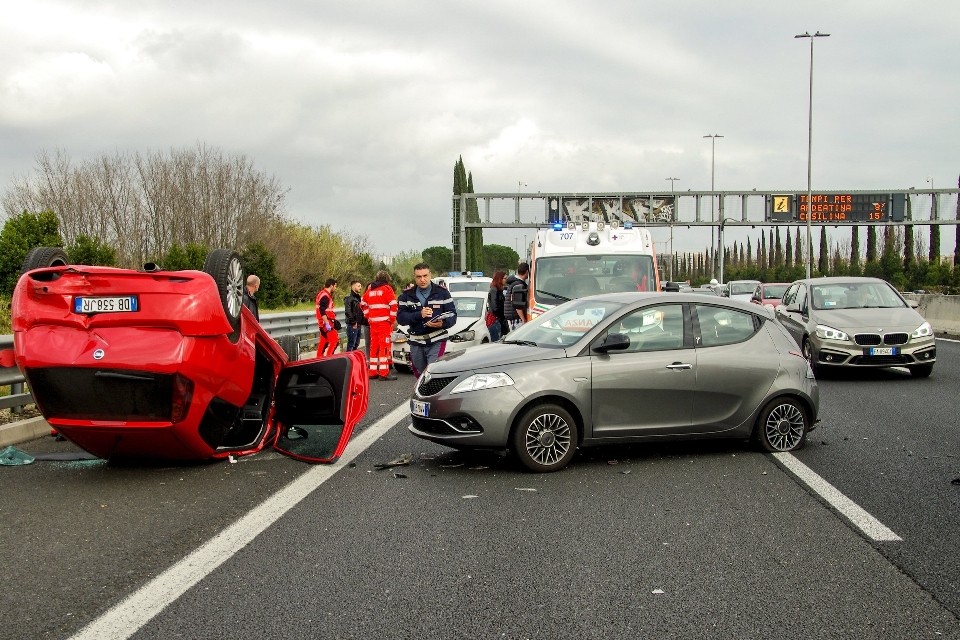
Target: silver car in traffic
(857, 322)
(622, 368)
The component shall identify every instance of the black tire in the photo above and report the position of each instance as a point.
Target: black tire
(290, 346)
(402, 368)
(225, 268)
(783, 425)
(545, 438)
(921, 370)
(41, 257)
(808, 353)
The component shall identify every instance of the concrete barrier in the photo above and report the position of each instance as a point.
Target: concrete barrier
(23, 431)
(942, 312)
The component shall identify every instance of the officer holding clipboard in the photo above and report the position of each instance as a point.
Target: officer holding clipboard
(428, 310)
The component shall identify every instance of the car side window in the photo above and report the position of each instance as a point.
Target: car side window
(801, 298)
(788, 296)
(720, 325)
(651, 328)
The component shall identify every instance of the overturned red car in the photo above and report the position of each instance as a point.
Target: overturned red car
(170, 365)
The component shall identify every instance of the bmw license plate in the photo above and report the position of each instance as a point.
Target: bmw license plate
(105, 304)
(418, 408)
(883, 351)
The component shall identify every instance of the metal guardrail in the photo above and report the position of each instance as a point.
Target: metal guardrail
(297, 323)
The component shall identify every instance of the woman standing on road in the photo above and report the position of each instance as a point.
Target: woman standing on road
(495, 317)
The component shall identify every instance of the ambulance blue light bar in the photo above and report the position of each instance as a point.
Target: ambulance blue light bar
(558, 226)
(628, 224)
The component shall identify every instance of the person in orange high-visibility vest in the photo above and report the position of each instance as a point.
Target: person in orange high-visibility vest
(326, 317)
(379, 305)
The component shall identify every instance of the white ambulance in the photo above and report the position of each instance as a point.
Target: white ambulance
(576, 259)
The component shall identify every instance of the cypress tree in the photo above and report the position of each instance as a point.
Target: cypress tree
(749, 253)
(956, 247)
(824, 263)
(762, 252)
(771, 252)
(798, 250)
(871, 244)
(474, 235)
(855, 251)
(778, 256)
(934, 243)
(908, 247)
(742, 257)
(788, 252)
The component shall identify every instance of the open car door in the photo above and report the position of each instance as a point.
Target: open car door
(318, 403)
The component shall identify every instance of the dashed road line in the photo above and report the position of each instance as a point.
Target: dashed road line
(127, 617)
(857, 515)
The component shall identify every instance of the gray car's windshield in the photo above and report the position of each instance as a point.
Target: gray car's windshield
(774, 290)
(564, 325)
(855, 295)
(586, 275)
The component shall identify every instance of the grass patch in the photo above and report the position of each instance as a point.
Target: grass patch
(303, 306)
(5, 316)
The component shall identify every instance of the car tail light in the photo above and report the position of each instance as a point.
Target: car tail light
(182, 395)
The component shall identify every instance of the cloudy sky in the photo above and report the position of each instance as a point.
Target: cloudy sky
(362, 107)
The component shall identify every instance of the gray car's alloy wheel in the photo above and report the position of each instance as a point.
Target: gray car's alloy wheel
(783, 425)
(545, 438)
(224, 265)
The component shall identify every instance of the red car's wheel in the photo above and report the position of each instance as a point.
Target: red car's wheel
(40, 257)
(225, 268)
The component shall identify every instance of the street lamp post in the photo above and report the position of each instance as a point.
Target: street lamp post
(810, 146)
(713, 156)
(672, 180)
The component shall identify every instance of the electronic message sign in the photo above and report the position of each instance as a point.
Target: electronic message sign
(833, 208)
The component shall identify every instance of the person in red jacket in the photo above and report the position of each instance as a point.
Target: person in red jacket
(326, 317)
(379, 305)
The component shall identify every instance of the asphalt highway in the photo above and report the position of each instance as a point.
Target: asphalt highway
(704, 540)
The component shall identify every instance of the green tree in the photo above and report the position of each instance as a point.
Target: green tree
(440, 259)
(463, 183)
(778, 253)
(788, 252)
(934, 243)
(871, 244)
(497, 257)
(891, 263)
(823, 265)
(20, 234)
(191, 256)
(909, 256)
(798, 250)
(87, 250)
(855, 251)
(259, 261)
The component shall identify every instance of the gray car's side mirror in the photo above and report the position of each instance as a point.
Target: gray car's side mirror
(613, 342)
(793, 308)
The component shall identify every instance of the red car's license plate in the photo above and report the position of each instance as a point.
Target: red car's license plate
(105, 304)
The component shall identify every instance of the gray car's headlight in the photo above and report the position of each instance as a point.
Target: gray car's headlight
(483, 381)
(829, 333)
(924, 331)
(463, 336)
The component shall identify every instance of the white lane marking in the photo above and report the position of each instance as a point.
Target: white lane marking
(127, 617)
(857, 515)
(947, 339)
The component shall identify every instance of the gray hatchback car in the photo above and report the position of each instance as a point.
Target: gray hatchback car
(622, 368)
(857, 322)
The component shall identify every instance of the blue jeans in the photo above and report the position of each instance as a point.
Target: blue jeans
(423, 354)
(494, 330)
(353, 337)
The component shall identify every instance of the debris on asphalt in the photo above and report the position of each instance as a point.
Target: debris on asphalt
(469, 497)
(399, 475)
(525, 489)
(823, 442)
(63, 456)
(401, 461)
(232, 459)
(451, 466)
(625, 472)
(13, 457)
(955, 481)
(658, 591)
(612, 462)
(764, 473)
(352, 465)
(479, 467)
(845, 438)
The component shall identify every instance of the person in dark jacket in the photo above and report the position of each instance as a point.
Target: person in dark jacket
(515, 296)
(353, 315)
(249, 296)
(495, 305)
(417, 306)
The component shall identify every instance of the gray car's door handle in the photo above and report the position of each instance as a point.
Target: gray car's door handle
(679, 365)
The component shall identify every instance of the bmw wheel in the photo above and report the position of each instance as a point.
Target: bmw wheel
(545, 438)
(224, 265)
(783, 425)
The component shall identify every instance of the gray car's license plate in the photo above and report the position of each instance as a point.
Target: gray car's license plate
(105, 304)
(418, 408)
(883, 351)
